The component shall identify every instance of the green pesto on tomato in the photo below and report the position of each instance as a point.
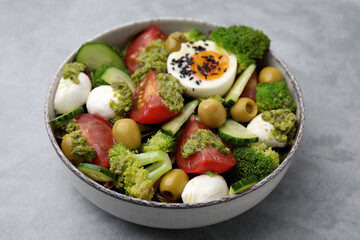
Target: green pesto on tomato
(201, 139)
(152, 57)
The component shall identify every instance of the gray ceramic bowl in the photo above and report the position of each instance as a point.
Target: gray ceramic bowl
(163, 215)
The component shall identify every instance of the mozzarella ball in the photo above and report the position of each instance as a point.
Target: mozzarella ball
(203, 68)
(70, 95)
(263, 130)
(99, 100)
(204, 188)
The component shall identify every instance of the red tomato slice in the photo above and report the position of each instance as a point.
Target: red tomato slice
(250, 88)
(148, 107)
(139, 43)
(98, 133)
(207, 159)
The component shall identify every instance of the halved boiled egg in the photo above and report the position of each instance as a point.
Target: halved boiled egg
(203, 68)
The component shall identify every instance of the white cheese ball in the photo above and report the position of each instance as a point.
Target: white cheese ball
(263, 130)
(70, 95)
(204, 188)
(99, 99)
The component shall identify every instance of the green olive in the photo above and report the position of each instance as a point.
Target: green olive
(66, 149)
(127, 131)
(173, 41)
(173, 183)
(212, 113)
(270, 75)
(244, 110)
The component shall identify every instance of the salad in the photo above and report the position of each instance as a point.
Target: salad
(189, 117)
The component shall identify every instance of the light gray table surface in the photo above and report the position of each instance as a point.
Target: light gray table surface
(319, 198)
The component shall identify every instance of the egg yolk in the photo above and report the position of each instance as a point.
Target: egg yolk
(209, 65)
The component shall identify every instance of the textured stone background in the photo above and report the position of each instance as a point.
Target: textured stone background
(319, 198)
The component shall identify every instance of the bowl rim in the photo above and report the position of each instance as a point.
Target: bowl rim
(136, 201)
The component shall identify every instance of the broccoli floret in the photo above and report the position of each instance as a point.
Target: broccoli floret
(96, 79)
(137, 172)
(159, 141)
(245, 42)
(275, 95)
(194, 35)
(256, 159)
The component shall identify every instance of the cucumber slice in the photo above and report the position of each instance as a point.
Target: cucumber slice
(114, 74)
(239, 85)
(172, 126)
(96, 173)
(243, 184)
(235, 133)
(67, 116)
(96, 54)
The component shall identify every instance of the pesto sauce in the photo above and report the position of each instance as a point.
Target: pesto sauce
(284, 122)
(72, 70)
(152, 57)
(158, 67)
(80, 147)
(171, 90)
(201, 139)
(64, 128)
(123, 105)
(154, 52)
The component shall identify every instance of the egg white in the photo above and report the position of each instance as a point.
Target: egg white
(70, 95)
(263, 130)
(99, 100)
(196, 87)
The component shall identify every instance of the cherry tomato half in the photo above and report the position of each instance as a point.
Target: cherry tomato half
(207, 159)
(148, 107)
(139, 43)
(98, 133)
